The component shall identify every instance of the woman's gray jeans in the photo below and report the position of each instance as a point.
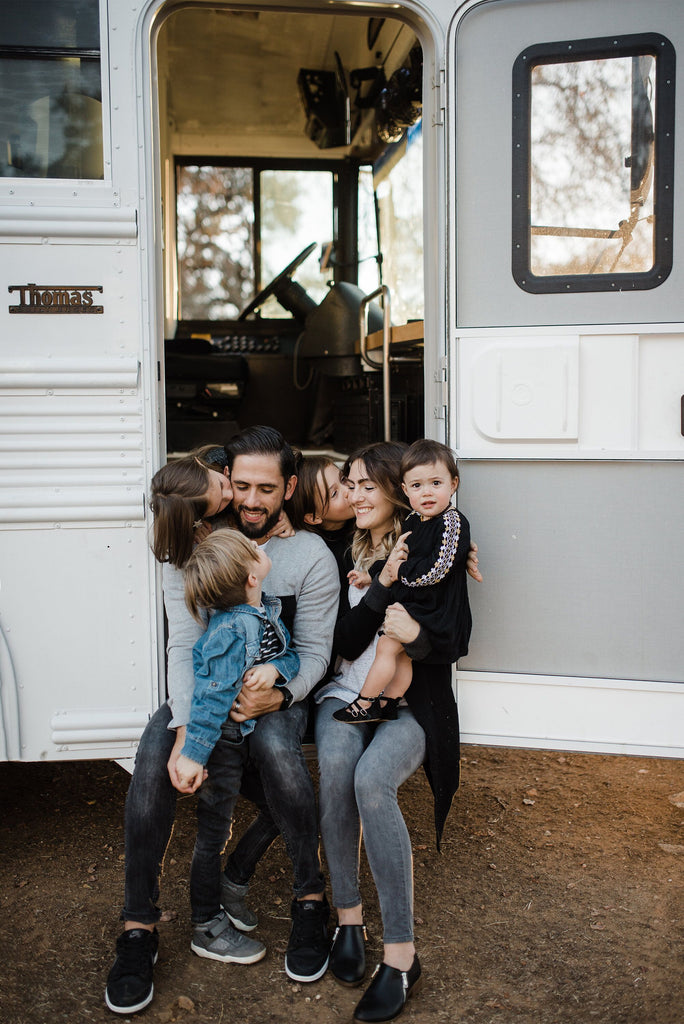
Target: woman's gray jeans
(361, 769)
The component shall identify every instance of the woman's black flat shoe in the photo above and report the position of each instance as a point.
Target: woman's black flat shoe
(386, 996)
(348, 954)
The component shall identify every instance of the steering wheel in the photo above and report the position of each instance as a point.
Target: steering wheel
(280, 280)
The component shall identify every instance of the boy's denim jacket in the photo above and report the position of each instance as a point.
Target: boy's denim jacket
(221, 657)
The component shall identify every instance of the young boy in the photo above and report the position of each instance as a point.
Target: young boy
(431, 584)
(245, 644)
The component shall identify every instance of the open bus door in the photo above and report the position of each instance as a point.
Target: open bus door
(108, 107)
(568, 356)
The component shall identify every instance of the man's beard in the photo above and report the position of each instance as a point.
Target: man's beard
(255, 531)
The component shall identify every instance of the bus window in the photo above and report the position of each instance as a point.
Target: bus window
(593, 165)
(399, 186)
(296, 209)
(51, 117)
(369, 277)
(215, 223)
(238, 226)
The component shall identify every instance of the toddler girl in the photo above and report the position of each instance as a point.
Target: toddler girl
(426, 586)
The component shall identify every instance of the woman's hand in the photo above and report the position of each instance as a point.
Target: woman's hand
(398, 555)
(471, 563)
(399, 625)
(283, 528)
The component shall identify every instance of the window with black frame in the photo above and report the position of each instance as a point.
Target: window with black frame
(593, 164)
(51, 114)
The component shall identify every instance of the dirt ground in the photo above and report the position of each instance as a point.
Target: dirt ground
(558, 898)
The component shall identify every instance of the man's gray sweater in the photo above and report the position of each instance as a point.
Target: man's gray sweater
(304, 576)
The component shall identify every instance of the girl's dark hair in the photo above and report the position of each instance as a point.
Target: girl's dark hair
(311, 485)
(178, 500)
(427, 452)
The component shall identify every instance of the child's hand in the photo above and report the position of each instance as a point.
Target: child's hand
(359, 579)
(260, 677)
(283, 528)
(398, 555)
(201, 530)
(190, 775)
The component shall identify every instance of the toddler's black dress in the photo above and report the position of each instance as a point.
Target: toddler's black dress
(432, 582)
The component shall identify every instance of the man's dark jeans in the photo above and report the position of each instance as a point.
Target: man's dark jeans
(151, 808)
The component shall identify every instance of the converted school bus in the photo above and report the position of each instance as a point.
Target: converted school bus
(197, 200)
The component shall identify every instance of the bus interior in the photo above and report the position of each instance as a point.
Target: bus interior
(291, 177)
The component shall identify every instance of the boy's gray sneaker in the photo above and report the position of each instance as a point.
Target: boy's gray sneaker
(233, 902)
(218, 940)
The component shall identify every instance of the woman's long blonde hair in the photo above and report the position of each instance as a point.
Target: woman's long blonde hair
(382, 462)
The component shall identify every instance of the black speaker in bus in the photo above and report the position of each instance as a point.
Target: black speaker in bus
(324, 103)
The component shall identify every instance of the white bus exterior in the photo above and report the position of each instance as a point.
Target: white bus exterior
(563, 398)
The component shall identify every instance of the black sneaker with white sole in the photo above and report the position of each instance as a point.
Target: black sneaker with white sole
(129, 985)
(308, 950)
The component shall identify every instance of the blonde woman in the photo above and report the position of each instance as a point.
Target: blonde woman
(361, 769)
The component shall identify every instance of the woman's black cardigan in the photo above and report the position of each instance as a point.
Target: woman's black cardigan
(430, 695)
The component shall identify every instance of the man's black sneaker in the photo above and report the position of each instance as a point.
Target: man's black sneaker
(309, 947)
(129, 985)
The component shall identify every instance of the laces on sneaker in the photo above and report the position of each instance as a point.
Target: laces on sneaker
(307, 922)
(134, 953)
(309, 946)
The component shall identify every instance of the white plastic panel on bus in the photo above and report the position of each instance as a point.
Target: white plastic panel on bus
(566, 411)
(522, 390)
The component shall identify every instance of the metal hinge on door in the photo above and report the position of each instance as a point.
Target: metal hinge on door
(440, 391)
(439, 85)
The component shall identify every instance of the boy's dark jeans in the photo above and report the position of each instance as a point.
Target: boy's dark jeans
(275, 750)
(151, 807)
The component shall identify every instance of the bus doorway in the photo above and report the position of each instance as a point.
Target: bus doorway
(291, 184)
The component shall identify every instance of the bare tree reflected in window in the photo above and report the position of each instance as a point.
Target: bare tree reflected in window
(215, 211)
(592, 147)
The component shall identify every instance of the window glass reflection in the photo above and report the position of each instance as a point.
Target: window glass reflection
(51, 114)
(57, 24)
(592, 166)
(215, 211)
(50, 118)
